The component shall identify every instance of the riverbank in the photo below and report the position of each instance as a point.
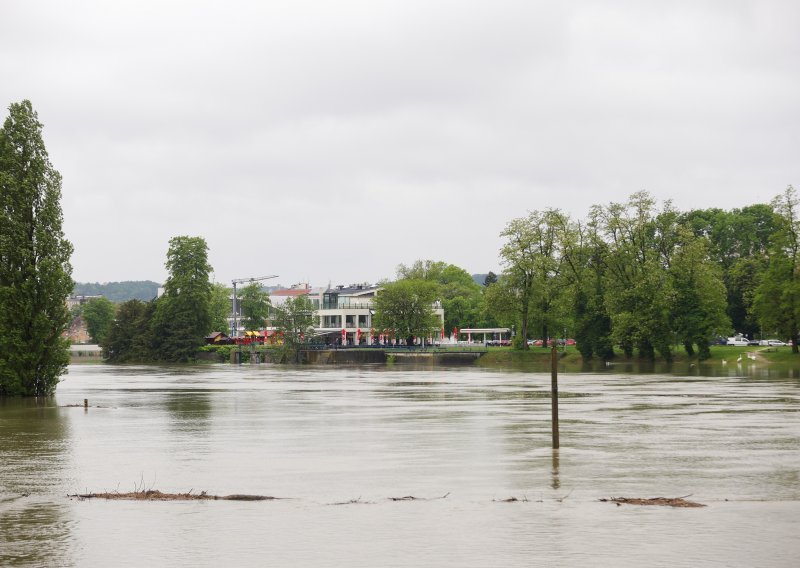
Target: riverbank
(538, 359)
(81, 354)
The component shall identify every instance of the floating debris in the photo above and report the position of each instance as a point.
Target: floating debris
(155, 495)
(658, 501)
(353, 502)
(412, 498)
(511, 500)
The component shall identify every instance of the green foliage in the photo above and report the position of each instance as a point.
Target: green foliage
(738, 241)
(501, 303)
(633, 275)
(460, 296)
(296, 320)
(638, 292)
(183, 313)
(255, 306)
(532, 257)
(223, 352)
(99, 316)
(406, 306)
(220, 307)
(118, 292)
(777, 298)
(35, 271)
(130, 339)
(698, 310)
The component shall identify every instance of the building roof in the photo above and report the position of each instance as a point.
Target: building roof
(291, 292)
(353, 290)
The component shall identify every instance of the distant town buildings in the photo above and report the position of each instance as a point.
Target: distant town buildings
(73, 301)
(344, 313)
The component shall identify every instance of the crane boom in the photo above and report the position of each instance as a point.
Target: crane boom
(235, 326)
(253, 279)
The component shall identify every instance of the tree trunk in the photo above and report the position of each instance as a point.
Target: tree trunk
(523, 340)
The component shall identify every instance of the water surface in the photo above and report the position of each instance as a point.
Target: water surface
(319, 437)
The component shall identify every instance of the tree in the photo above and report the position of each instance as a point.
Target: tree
(406, 306)
(254, 304)
(584, 274)
(638, 292)
(99, 316)
(738, 241)
(698, 312)
(532, 259)
(490, 279)
(183, 314)
(501, 303)
(35, 270)
(458, 292)
(130, 338)
(295, 319)
(220, 307)
(118, 292)
(777, 298)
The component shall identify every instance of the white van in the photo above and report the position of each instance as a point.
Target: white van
(737, 341)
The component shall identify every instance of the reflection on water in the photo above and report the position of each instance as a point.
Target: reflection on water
(34, 532)
(556, 484)
(709, 368)
(321, 436)
(34, 442)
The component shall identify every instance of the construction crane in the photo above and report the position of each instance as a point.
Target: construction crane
(235, 327)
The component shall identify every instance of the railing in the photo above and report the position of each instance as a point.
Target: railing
(342, 305)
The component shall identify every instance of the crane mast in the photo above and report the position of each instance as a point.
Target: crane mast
(235, 282)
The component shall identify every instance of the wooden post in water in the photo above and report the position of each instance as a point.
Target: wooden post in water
(554, 393)
(85, 403)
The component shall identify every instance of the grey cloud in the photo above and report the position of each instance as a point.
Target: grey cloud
(348, 137)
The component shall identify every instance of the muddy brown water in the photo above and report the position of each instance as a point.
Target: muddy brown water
(365, 435)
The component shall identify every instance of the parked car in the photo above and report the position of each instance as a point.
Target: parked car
(772, 342)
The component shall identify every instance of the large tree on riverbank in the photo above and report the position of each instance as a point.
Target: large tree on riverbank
(35, 270)
(98, 313)
(183, 313)
(460, 295)
(532, 257)
(777, 298)
(406, 307)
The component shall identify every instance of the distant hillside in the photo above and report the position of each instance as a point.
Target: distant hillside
(479, 278)
(144, 290)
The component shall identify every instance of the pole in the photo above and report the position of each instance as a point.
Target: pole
(235, 331)
(554, 393)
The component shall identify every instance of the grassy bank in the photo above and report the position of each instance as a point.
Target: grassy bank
(570, 360)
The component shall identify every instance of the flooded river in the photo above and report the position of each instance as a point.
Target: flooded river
(338, 444)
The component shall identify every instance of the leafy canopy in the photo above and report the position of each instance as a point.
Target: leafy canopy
(35, 270)
(406, 306)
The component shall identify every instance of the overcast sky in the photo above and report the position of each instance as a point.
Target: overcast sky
(331, 141)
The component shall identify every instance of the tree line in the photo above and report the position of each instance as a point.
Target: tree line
(118, 292)
(637, 276)
(645, 278)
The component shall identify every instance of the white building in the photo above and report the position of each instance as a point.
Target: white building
(344, 312)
